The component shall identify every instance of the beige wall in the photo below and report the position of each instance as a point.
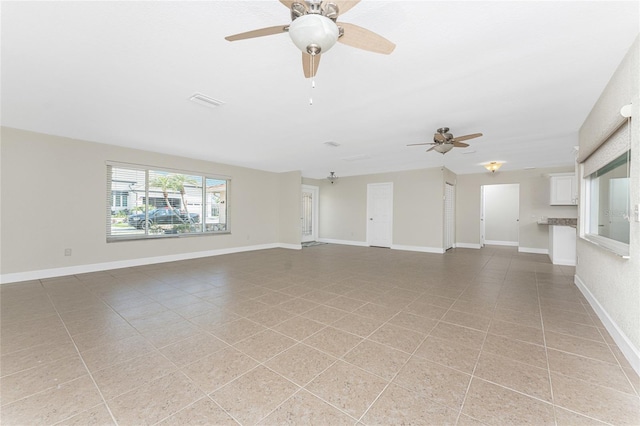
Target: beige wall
(417, 211)
(534, 203)
(290, 194)
(53, 197)
(609, 279)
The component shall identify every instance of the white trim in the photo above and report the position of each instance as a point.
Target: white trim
(343, 242)
(95, 267)
(628, 349)
(468, 245)
(437, 250)
(533, 250)
(563, 262)
(501, 243)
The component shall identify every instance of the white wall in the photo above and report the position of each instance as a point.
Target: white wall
(609, 281)
(53, 197)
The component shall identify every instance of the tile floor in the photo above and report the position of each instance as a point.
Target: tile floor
(327, 335)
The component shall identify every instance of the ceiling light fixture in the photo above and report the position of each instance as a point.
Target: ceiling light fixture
(313, 33)
(443, 148)
(332, 177)
(493, 166)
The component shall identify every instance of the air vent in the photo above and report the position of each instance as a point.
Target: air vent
(203, 100)
(332, 144)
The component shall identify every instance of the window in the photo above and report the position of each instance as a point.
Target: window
(152, 203)
(608, 205)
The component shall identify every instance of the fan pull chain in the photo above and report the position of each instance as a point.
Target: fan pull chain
(313, 81)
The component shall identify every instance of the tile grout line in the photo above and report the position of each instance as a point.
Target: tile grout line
(104, 401)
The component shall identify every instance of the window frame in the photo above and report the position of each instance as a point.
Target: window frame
(146, 169)
(616, 247)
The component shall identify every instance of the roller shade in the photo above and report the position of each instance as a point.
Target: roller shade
(616, 145)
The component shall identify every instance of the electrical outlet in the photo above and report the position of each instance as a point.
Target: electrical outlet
(67, 252)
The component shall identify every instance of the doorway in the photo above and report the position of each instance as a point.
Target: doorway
(500, 215)
(309, 213)
(449, 215)
(380, 214)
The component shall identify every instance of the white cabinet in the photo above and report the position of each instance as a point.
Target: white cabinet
(562, 245)
(564, 189)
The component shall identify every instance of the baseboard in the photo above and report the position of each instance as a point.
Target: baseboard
(343, 242)
(628, 349)
(468, 245)
(501, 243)
(95, 267)
(563, 262)
(436, 250)
(533, 250)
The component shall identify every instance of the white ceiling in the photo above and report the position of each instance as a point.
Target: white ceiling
(525, 74)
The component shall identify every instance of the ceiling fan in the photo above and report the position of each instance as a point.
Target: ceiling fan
(314, 30)
(443, 141)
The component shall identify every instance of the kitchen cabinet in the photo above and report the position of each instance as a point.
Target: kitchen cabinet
(562, 245)
(564, 189)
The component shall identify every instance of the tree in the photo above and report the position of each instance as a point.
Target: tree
(178, 182)
(164, 182)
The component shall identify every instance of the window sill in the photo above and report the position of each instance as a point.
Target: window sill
(612, 246)
(163, 236)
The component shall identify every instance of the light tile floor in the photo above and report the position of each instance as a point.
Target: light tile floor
(328, 335)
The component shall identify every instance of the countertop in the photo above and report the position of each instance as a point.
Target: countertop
(559, 221)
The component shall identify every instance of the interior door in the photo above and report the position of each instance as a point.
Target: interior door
(449, 217)
(380, 214)
(309, 213)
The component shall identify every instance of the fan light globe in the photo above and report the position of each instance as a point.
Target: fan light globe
(444, 148)
(313, 33)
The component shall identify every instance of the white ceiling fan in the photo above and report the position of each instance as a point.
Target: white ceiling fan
(443, 141)
(314, 30)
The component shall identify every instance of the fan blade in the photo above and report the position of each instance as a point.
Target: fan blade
(362, 38)
(466, 137)
(424, 143)
(258, 33)
(460, 144)
(343, 5)
(439, 137)
(306, 64)
(288, 3)
(431, 149)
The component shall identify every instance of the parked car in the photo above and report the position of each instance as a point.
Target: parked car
(163, 216)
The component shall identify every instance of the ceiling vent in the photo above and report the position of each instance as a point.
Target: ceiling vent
(332, 144)
(203, 100)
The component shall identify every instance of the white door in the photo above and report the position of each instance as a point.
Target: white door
(449, 217)
(380, 214)
(501, 214)
(309, 210)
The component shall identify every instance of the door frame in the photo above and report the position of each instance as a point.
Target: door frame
(369, 217)
(449, 222)
(483, 218)
(315, 198)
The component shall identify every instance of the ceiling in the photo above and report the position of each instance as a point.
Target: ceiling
(526, 74)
